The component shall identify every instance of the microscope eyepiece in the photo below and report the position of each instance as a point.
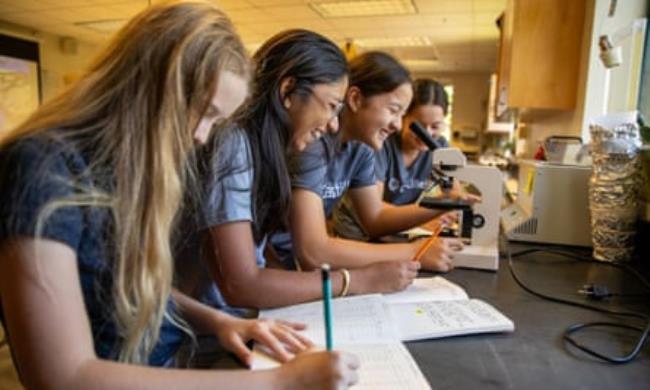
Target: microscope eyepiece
(424, 136)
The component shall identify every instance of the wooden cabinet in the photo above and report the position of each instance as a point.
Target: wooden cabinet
(539, 54)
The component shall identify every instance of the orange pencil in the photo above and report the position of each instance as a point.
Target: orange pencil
(427, 244)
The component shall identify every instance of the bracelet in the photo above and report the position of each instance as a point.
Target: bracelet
(346, 282)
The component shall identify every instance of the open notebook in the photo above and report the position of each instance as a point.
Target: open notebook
(435, 308)
(373, 326)
(362, 326)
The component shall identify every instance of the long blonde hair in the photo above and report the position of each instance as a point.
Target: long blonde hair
(139, 102)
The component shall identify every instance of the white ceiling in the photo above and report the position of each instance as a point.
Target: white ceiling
(463, 32)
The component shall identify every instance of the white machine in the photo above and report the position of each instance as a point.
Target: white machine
(483, 234)
(552, 205)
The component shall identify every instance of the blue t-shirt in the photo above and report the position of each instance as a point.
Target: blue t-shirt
(402, 185)
(38, 170)
(227, 182)
(327, 167)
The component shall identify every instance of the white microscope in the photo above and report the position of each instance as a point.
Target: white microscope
(479, 223)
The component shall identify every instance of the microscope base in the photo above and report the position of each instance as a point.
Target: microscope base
(478, 256)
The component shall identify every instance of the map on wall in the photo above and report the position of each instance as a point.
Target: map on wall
(19, 95)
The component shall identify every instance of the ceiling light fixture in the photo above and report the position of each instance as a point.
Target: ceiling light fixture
(372, 43)
(341, 9)
(103, 26)
(415, 65)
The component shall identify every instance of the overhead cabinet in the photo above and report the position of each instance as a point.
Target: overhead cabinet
(539, 54)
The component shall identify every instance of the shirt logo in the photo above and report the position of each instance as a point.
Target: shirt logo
(394, 185)
(335, 190)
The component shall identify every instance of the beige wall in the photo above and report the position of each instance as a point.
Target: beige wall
(471, 92)
(57, 66)
(626, 12)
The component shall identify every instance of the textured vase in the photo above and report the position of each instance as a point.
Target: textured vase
(614, 189)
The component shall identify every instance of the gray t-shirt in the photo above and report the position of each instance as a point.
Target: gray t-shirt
(402, 185)
(327, 168)
(227, 180)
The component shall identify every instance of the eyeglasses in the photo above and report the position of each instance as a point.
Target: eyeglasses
(334, 108)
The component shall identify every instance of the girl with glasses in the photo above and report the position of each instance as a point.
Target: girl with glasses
(298, 88)
(344, 164)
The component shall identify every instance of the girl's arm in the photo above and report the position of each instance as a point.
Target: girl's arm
(313, 246)
(232, 260)
(244, 284)
(233, 333)
(379, 218)
(51, 340)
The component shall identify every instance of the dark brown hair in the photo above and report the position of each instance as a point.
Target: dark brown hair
(428, 91)
(375, 72)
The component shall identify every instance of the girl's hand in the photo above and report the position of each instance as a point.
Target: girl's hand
(320, 370)
(459, 193)
(449, 218)
(443, 220)
(280, 337)
(440, 255)
(384, 277)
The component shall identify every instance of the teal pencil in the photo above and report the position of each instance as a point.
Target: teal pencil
(327, 305)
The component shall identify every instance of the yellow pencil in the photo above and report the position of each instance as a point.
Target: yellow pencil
(427, 244)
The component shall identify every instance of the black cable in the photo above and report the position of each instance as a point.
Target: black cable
(600, 292)
(611, 359)
(569, 332)
(619, 295)
(586, 258)
(594, 287)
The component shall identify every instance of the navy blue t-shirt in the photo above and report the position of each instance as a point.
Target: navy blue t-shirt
(327, 167)
(38, 170)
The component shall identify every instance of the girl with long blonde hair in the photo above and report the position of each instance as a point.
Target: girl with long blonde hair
(91, 187)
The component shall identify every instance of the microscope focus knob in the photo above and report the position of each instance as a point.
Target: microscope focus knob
(478, 221)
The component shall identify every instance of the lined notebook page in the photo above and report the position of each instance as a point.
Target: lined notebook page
(424, 320)
(360, 319)
(387, 366)
(383, 366)
(428, 289)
